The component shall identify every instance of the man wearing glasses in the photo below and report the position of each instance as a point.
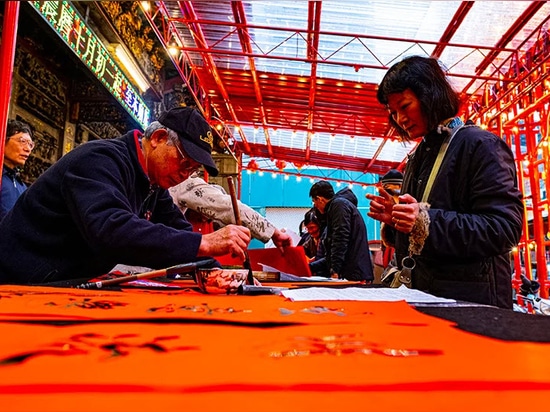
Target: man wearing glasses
(17, 150)
(106, 203)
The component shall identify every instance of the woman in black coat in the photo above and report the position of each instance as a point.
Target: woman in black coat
(458, 221)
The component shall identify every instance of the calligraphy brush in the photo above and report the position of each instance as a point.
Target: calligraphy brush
(246, 263)
(183, 268)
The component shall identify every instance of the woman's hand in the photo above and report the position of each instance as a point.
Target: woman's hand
(381, 206)
(404, 213)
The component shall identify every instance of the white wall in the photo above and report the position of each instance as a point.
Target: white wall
(286, 217)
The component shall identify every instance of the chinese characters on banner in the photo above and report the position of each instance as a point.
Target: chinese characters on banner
(68, 24)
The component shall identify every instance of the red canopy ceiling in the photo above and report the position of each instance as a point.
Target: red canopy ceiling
(296, 81)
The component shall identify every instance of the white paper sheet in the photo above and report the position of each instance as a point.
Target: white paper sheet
(364, 294)
(287, 277)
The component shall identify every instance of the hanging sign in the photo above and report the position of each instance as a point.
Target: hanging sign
(71, 27)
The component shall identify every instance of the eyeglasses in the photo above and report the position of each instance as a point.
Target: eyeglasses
(186, 163)
(26, 142)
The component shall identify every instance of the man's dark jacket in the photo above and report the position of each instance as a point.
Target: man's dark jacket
(86, 213)
(12, 188)
(476, 217)
(345, 240)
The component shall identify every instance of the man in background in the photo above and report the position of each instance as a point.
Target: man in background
(17, 150)
(391, 182)
(347, 254)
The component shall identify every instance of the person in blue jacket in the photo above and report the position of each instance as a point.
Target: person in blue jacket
(344, 253)
(457, 222)
(17, 150)
(106, 203)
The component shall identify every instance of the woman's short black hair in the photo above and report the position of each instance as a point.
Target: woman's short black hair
(322, 189)
(425, 77)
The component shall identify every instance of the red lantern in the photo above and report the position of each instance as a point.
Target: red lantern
(253, 166)
(281, 164)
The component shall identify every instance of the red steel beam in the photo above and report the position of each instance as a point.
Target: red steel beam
(164, 34)
(453, 26)
(327, 60)
(514, 29)
(314, 28)
(7, 56)
(190, 18)
(355, 66)
(240, 18)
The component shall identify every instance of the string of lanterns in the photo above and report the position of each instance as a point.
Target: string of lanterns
(253, 167)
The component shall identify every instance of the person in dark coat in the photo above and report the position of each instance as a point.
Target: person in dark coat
(17, 150)
(461, 232)
(345, 242)
(391, 182)
(106, 203)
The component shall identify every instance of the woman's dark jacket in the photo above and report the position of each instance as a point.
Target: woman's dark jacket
(345, 240)
(86, 213)
(476, 217)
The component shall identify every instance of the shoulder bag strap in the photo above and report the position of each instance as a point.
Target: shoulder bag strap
(437, 164)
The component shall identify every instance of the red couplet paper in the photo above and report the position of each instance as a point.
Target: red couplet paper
(293, 261)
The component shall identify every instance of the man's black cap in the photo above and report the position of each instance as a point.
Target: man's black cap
(194, 134)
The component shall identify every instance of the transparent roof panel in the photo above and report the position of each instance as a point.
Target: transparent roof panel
(349, 32)
(378, 33)
(354, 42)
(369, 33)
(331, 144)
(483, 26)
